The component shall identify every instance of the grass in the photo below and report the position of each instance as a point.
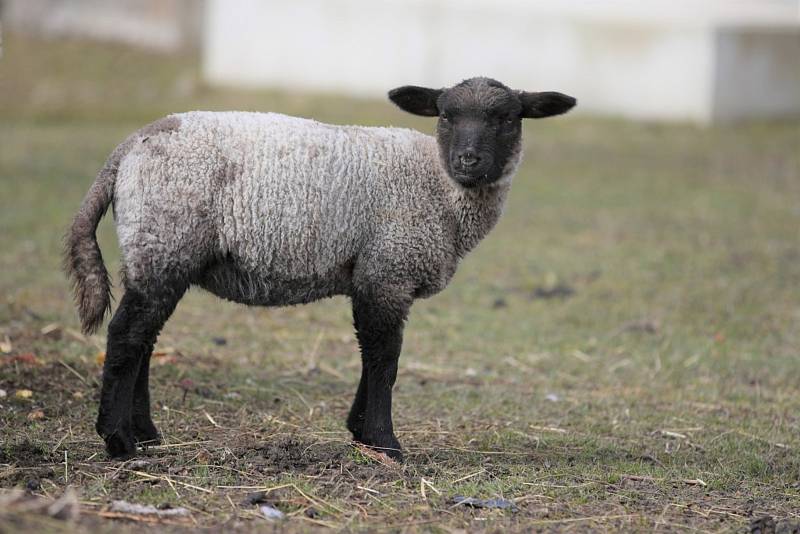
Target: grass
(660, 394)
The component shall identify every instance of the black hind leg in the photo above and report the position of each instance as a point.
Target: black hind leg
(124, 414)
(144, 430)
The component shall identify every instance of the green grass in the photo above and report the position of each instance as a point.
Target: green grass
(675, 360)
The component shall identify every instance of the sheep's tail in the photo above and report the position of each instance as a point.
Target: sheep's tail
(83, 261)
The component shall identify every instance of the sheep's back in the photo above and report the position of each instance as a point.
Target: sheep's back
(280, 197)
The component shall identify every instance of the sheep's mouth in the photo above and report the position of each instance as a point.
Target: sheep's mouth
(470, 180)
(479, 173)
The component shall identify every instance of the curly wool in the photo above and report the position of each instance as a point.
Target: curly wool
(263, 208)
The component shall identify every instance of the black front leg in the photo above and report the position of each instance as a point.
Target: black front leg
(379, 329)
(355, 421)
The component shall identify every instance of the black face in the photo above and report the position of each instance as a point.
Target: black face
(480, 124)
(479, 131)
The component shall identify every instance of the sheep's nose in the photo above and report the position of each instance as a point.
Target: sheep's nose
(468, 159)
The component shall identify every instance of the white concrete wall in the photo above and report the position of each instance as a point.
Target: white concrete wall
(654, 59)
(164, 25)
(757, 73)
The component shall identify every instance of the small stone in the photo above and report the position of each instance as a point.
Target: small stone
(23, 394)
(271, 513)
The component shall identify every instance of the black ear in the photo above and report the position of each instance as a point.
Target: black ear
(545, 104)
(416, 100)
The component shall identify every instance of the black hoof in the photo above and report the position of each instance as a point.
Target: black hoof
(120, 441)
(394, 454)
(120, 445)
(146, 432)
(356, 427)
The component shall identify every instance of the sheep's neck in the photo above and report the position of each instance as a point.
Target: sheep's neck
(476, 212)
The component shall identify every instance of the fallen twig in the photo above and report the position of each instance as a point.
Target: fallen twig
(644, 478)
(167, 479)
(422, 484)
(125, 507)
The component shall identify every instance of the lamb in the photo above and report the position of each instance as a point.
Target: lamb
(271, 210)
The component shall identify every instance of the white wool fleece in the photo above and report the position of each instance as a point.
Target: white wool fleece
(263, 208)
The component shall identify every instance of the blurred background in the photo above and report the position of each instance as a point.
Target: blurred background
(699, 60)
(645, 276)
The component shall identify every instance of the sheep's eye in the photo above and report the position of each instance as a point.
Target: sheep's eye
(511, 119)
(445, 117)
